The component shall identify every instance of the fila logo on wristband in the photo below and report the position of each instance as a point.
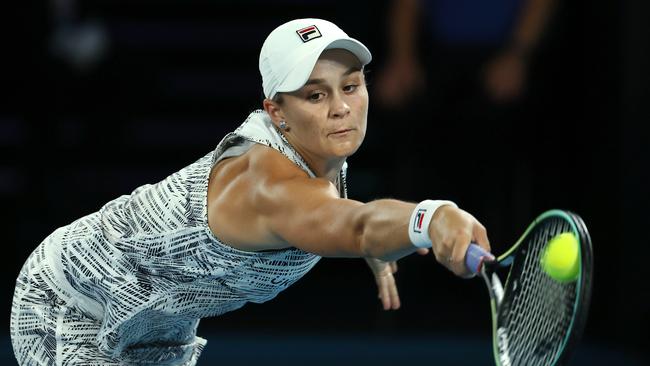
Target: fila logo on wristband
(419, 217)
(420, 220)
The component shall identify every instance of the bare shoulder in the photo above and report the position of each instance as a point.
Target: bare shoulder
(243, 191)
(270, 163)
(276, 176)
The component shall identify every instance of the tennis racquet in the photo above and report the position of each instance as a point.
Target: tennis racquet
(535, 319)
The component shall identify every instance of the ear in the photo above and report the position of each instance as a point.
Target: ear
(274, 111)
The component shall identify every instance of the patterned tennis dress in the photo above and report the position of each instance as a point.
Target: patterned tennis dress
(128, 284)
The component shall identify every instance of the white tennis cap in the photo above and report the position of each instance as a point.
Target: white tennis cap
(290, 52)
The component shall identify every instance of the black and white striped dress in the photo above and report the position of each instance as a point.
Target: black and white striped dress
(128, 284)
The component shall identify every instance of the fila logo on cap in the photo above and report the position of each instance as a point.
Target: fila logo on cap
(308, 33)
(417, 223)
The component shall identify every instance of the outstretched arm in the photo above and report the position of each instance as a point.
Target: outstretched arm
(273, 204)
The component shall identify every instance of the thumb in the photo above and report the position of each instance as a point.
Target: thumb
(423, 251)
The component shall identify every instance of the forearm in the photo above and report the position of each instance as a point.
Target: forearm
(383, 229)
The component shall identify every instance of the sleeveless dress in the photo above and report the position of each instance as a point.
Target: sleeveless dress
(129, 283)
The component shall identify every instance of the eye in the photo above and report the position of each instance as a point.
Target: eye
(315, 97)
(350, 88)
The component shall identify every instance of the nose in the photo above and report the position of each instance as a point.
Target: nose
(339, 108)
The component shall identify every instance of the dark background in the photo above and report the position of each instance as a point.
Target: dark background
(174, 77)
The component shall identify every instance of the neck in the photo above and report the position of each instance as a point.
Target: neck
(327, 168)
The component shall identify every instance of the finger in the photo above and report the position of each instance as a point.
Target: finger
(422, 251)
(393, 267)
(394, 295)
(457, 263)
(480, 236)
(388, 293)
(384, 295)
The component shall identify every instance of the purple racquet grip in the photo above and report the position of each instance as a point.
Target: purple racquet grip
(475, 256)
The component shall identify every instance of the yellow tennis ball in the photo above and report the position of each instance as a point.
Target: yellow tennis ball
(561, 258)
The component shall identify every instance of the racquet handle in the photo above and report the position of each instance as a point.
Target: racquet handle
(475, 256)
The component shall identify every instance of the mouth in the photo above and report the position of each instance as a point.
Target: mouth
(341, 132)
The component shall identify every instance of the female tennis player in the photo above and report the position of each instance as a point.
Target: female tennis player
(129, 283)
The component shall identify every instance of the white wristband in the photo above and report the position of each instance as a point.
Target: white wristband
(420, 220)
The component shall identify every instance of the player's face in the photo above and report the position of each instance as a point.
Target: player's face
(327, 117)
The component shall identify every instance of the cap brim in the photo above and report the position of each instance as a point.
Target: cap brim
(357, 48)
(300, 74)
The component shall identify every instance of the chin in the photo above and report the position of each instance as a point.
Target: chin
(345, 151)
(345, 147)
